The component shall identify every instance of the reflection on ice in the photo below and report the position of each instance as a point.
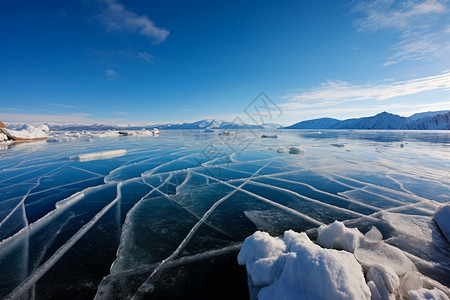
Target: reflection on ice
(147, 223)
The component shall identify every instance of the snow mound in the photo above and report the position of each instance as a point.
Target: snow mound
(293, 267)
(98, 155)
(425, 294)
(442, 218)
(336, 235)
(25, 132)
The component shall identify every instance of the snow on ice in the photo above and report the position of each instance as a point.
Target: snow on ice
(294, 267)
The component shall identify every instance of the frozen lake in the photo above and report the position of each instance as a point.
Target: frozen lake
(164, 217)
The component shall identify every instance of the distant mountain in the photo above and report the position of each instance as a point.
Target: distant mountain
(422, 121)
(202, 124)
(421, 115)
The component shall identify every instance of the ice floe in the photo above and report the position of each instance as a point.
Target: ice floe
(99, 155)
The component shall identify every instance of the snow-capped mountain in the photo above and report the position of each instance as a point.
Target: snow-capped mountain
(202, 124)
(423, 121)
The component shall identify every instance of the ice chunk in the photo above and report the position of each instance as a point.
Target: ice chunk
(282, 150)
(425, 294)
(383, 277)
(374, 291)
(3, 137)
(373, 235)
(369, 254)
(296, 150)
(336, 235)
(442, 218)
(293, 267)
(99, 155)
(25, 132)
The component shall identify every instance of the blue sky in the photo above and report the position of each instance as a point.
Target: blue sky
(129, 61)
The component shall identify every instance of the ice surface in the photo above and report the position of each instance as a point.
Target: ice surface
(209, 194)
(442, 217)
(293, 267)
(99, 155)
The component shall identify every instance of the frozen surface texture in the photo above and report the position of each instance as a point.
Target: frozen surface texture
(176, 208)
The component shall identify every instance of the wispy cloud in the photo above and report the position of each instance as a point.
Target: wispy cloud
(115, 17)
(422, 32)
(338, 92)
(146, 56)
(62, 105)
(110, 74)
(120, 113)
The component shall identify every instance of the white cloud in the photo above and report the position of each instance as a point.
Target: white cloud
(62, 105)
(146, 56)
(422, 33)
(115, 17)
(110, 74)
(338, 92)
(385, 14)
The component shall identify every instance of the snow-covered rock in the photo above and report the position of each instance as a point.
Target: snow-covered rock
(293, 267)
(442, 218)
(25, 132)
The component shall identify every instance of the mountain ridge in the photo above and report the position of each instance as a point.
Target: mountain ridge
(439, 120)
